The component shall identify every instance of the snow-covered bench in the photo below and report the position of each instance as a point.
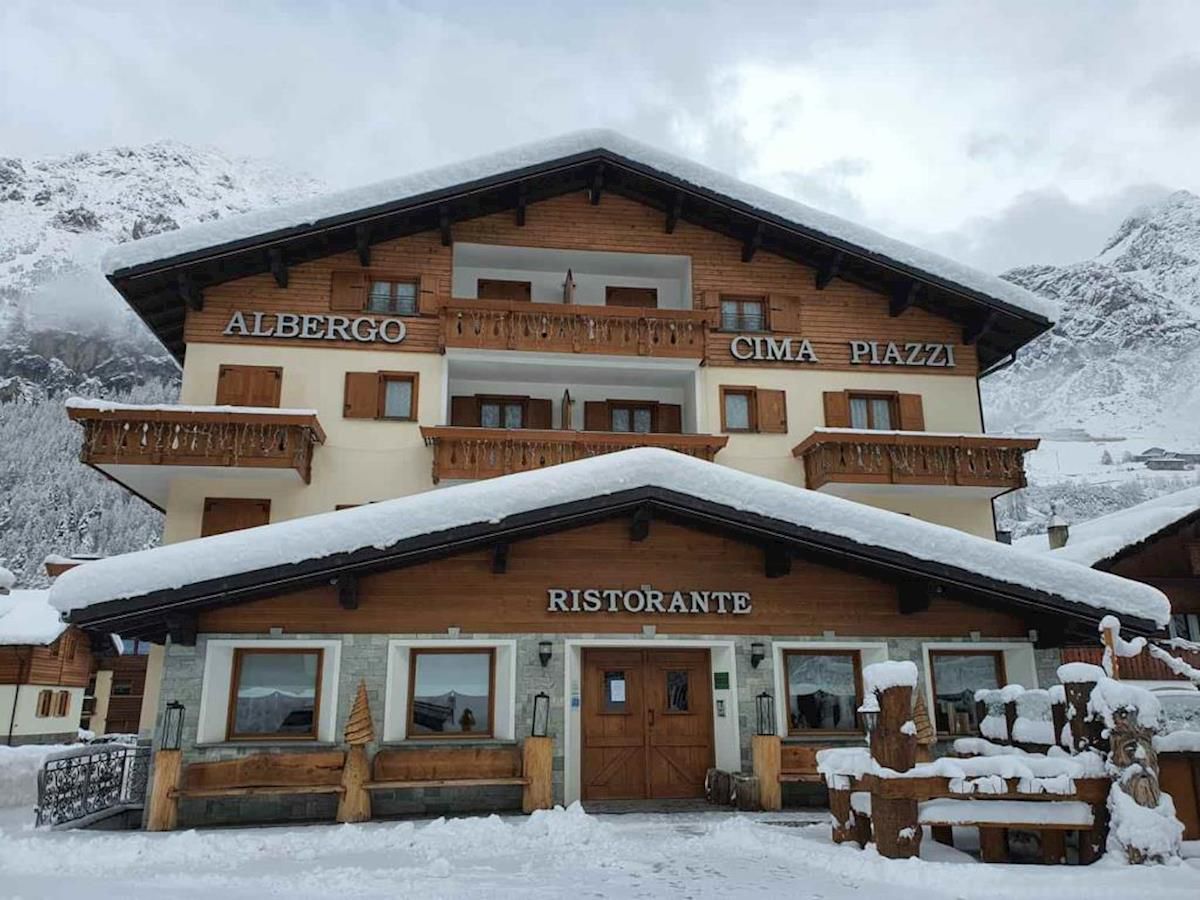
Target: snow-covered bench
(264, 773)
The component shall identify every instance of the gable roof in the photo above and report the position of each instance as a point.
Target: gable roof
(1102, 541)
(139, 591)
(148, 272)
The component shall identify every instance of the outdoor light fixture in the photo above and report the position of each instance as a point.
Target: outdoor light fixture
(545, 651)
(765, 704)
(541, 714)
(869, 713)
(758, 652)
(172, 733)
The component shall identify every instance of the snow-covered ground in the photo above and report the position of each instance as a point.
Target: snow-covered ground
(553, 854)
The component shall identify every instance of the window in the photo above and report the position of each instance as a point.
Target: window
(630, 417)
(739, 314)
(62, 703)
(824, 690)
(398, 396)
(737, 410)
(275, 694)
(501, 413)
(753, 409)
(1186, 626)
(450, 693)
(44, 700)
(381, 395)
(957, 675)
(395, 297)
(677, 690)
(872, 411)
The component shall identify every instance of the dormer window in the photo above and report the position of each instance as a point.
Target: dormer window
(743, 314)
(397, 298)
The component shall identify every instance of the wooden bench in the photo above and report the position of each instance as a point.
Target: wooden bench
(447, 767)
(264, 773)
(798, 763)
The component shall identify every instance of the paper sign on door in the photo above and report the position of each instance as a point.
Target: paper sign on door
(616, 690)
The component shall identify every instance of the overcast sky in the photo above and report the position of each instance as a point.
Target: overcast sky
(1002, 133)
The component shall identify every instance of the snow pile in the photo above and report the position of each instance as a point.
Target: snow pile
(880, 676)
(1005, 812)
(382, 525)
(7, 580)
(1035, 719)
(19, 767)
(26, 617)
(392, 191)
(1178, 742)
(1110, 695)
(1080, 673)
(1147, 834)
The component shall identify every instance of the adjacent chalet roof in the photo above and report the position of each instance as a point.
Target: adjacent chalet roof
(161, 274)
(26, 617)
(139, 592)
(1104, 540)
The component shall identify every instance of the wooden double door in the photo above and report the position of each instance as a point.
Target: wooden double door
(647, 724)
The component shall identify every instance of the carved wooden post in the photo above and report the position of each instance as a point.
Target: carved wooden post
(537, 764)
(354, 805)
(894, 746)
(843, 815)
(766, 754)
(163, 812)
(926, 736)
(1058, 714)
(1078, 679)
(1010, 719)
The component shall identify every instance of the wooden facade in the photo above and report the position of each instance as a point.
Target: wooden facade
(67, 662)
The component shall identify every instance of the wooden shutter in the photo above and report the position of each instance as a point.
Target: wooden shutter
(427, 296)
(711, 300)
(540, 414)
(348, 291)
(670, 418)
(837, 409)
(249, 386)
(464, 412)
(784, 313)
(771, 410)
(45, 698)
(498, 289)
(912, 414)
(62, 703)
(225, 514)
(634, 297)
(595, 416)
(362, 396)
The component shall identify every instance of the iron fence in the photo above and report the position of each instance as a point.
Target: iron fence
(85, 784)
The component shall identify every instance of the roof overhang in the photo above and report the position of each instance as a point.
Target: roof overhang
(160, 290)
(157, 614)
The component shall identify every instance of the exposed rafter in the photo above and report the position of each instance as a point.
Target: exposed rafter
(347, 588)
(674, 211)
(500, 559)
(362, 243)
(753, 242)
(777, 561)
(279, 269)
(903, 298)
(597, 184)
(915, 596)
(522, 200)
(189, 292)
(978, 328)
(444, 225)
(181, 629)
(639, 528)
(828, 270)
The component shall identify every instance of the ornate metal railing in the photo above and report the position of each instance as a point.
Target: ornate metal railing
(126, 435)
(845, 456)
(88, 783)
(487, 452)
(572, 328)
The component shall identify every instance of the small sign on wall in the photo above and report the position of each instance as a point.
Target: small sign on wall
(720, 681)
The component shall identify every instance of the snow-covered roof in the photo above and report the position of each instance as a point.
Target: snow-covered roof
(1102, 538)
(26, 617)
(171, 244)
(386, 524)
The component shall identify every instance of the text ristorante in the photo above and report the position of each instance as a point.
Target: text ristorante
(647, 600)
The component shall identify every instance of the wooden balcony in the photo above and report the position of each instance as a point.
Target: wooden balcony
(563, 328)
(1142, 667)
(838, 457)
(488, 452)
(119, 435)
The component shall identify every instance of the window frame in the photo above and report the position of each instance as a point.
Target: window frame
(858, 688)
(893, 401)
(62, 704)
(414, 378)
(741, 300)
(751, 394)
(45, 702)
(413, 654)
(630, 405)
(374, 278)
(502, 400)
(1001, 678)
(239, 653)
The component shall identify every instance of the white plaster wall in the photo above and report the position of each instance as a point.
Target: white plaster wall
(27, 723)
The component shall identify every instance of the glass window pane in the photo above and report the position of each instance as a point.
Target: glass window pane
(730, 319)
(381, 296)
(614, 692)
(513, 415)
(753, 318)
(489, 415)
(858, 412)
(397, 398)
(737, 412)
(956, 678)
(276, 694)
(641, 421)
(881, 414)
(452, 693)
(677, 691)
(620, 419)
(822, 691)
(404, 297)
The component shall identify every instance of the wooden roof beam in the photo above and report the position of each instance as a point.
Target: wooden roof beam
(903, 298)
(978, 328)
(181, 629)
(915, 596)
(522, 200)
(639, 528)
(347, 588)
(597, 185)
(674, 211)
(753, 242)
(279, 269)
(828, 270)
(777, 561)
(500, 559)
(189, 292)
(444, 225)
(362, 244)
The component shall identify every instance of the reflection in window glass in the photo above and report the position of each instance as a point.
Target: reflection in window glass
(489, 415)
(620, 419)
(881, 413)
(397, 398)
(677, 691)
(614, 692)
(858, 412)
(822, 691)
(956, 678)
(641, 420)
(513, 415)
(737, 412)
(451, 693)
(276, 693)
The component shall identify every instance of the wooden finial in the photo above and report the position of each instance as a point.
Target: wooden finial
(359, 728)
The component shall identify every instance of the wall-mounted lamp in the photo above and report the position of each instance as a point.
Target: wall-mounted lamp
(172, 733)
(541, 714)
(868, 713)
(765, 707)
(545, 652)
(758, 652)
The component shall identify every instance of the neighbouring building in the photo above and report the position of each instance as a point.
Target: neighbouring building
(459, 356)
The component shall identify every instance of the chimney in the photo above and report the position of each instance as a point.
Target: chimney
(1057, 530)
(1003, 536)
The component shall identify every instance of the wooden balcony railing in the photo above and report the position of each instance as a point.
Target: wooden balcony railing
(849, 456)
(1142, 667)
(488, 452)
(119, 434)
(562, 328)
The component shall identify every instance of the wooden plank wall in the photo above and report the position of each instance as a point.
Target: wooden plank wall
(55, 665)
(830, 317)
(811, 600)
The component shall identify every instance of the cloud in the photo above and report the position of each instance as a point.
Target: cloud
(1176, 88)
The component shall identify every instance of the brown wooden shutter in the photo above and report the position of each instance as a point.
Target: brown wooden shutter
(785, 313)
(771, 409)
(225, 514)
(540, 414)
(45, 698)
(249, 386)
(670, 418)
(464, 412)
(595, 416)
(348, 291)
(427, 298)
(711, 300)
(362, 395)
(912, 413)
(631, 297)
(837, 409)
(499, 289)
